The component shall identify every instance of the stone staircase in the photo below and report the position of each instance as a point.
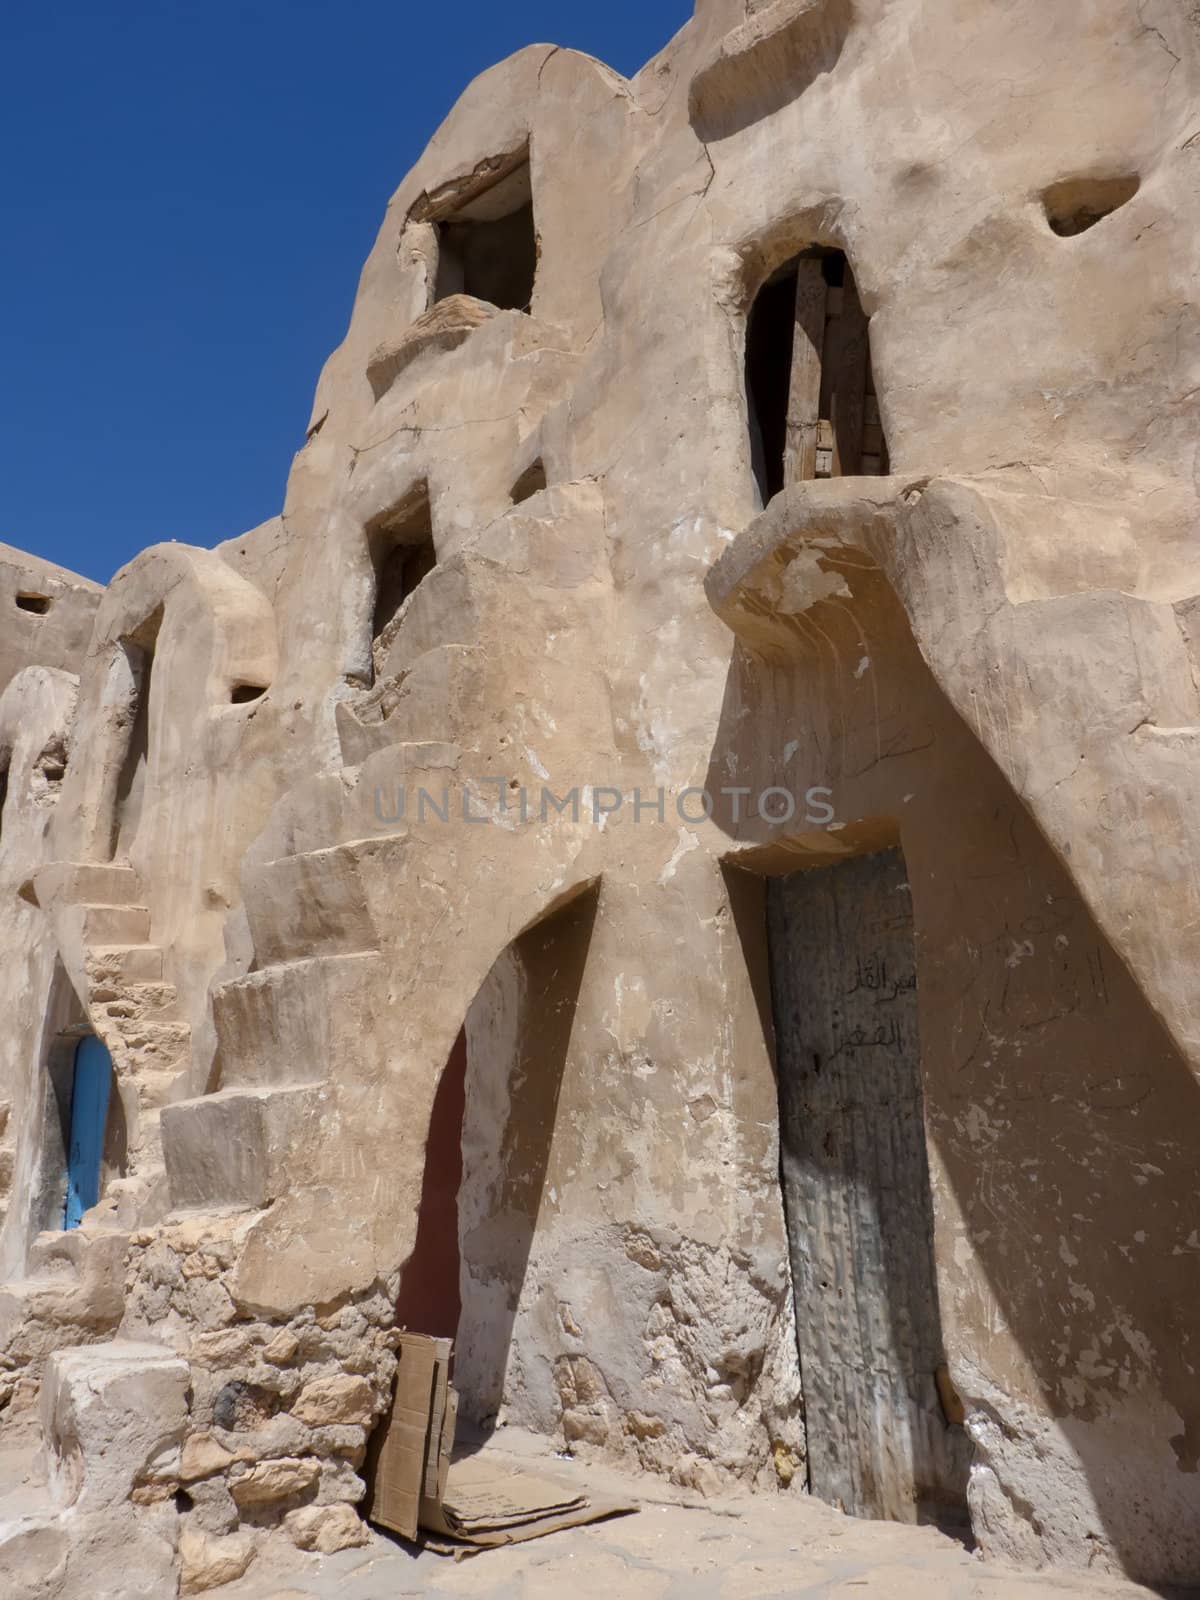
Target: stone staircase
(104, 935)
(73, 1290)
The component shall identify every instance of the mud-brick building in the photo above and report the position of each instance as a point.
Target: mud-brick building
(673, 858)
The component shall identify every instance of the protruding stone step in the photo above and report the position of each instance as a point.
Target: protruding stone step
(119, 924)
(233, 1148)
(314, 904)
(91, 883)
(287, 1023)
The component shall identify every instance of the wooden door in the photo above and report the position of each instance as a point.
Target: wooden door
(856, 1192)
(89, 1116)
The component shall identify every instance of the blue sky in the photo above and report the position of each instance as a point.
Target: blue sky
(189, 190)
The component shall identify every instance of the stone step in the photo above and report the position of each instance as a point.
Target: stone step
(234, 1148)
(129, 1002)
(124, 964)
(81, 1289)
(161, 1046)
(79, 883)
(442, 688)
(116, 924)
(315, 904)
(57, 1254)
(287, 1023)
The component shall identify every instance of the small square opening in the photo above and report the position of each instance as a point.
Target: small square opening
(37, 604)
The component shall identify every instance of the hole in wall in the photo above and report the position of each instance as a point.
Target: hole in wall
(242, 694)
(488, 247)
(532, 481)
(1076, 204)
(810, 389)
(52, 763)
(37, 604)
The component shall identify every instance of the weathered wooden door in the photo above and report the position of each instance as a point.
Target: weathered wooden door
(856, 1192)
(89, 1116)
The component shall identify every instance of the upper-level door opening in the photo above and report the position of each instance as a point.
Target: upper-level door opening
(810, 390)
(488, 246)
(91, 1086)
(884, 1425)
(403, 555)
(137, 668)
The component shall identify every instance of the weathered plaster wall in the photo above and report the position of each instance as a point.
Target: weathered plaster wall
(281, 961)
(35, 716)
(56, 636)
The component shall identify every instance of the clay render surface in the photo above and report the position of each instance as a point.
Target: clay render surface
(406, 852)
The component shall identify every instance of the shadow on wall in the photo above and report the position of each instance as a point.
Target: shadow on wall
(1056, 1104)
(487, 1155)
(765, 64)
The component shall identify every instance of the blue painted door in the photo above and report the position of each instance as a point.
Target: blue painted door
(89, 1113)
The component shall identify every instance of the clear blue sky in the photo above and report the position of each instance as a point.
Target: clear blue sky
(189, 191)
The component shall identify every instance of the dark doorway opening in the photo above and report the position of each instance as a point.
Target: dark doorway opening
(403, 555)
(488, 247)
(879, 1406)
(138, 648)
(810, 391)
(430, 1299)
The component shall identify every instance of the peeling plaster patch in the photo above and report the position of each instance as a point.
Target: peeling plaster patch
(803, 583)
(655, 736)
(703, 1107)
(688, 534)
(862, 667)
(535, 765)
(790, 750)
(687, 842)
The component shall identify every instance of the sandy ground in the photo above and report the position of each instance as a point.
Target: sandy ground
(676, 1547)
